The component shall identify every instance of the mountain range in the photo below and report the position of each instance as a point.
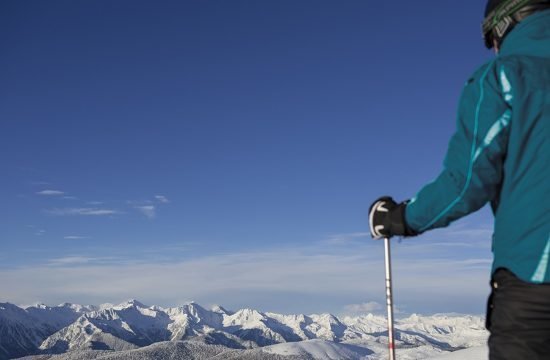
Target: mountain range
(132, 330)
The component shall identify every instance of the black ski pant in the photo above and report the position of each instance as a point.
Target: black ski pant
(518, 317)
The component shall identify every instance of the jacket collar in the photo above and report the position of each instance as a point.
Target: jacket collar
(529, 37)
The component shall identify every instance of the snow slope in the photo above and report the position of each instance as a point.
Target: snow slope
(319, 349)
(475, 353)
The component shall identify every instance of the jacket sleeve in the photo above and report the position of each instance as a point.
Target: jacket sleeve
(473, 166)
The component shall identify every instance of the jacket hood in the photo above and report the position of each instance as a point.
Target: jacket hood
(529, 37)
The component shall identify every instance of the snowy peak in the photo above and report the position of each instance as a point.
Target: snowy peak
(195, 315)
(132, 303)
(56, 317)
(83, 334)
(246, 318)
(78, 308)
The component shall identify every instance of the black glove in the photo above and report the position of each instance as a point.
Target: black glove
(387, 219)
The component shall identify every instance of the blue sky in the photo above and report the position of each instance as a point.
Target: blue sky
(228, 151)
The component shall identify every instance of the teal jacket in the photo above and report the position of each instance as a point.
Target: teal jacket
(500, 153)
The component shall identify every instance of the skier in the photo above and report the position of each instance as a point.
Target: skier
(500, 153)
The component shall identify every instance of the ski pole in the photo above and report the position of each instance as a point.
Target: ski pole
(389, 298)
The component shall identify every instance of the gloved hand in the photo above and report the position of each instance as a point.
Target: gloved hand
(387, 219)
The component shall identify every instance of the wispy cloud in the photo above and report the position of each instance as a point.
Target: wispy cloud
(343, 239)
(70, 198)
(79, 260)
(368, 307)
(70, 260)
(50, 193)
(147, 210)
(148, 207)
(75, 237)
(40, 232)
(438, 273)
(162, 199)
(260, 278)
(82, 211)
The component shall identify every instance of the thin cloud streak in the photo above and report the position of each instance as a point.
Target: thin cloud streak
(80, 260)
(75, 237)
(50, 193)
(81, 211)
(344, 239)
(71, 260)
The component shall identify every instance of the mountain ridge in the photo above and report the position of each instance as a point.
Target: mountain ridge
(130, 326)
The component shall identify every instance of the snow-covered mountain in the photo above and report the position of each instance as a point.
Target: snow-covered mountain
(133, 330)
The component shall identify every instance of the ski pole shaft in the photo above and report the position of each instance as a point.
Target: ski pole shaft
(389, 299)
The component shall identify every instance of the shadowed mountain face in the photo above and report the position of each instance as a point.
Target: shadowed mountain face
(23, 330)
(134, 329)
